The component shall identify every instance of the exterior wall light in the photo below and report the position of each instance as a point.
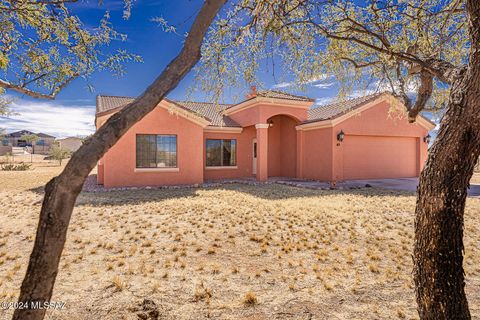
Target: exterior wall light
(270, 123)
(340, 136)
(427, 138)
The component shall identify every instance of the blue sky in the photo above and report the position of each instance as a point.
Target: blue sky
(72, 112)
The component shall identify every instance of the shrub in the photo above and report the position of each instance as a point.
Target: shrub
(250, 299)
(57, 153)
(9, 157)
(16, 167)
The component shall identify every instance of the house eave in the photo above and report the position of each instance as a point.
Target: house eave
(215, 129)
(172, 106)
(267, 101)
(169, 106)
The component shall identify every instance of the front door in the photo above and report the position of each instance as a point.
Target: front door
(254, 153)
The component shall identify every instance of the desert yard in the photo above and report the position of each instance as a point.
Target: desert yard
(230, 252)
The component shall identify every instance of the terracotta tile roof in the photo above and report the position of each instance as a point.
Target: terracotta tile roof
(339, 108)
(214, 112)
(209, 111)
(281, 95)
(107, 103)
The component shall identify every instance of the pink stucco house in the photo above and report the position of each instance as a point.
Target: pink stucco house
(270, 134)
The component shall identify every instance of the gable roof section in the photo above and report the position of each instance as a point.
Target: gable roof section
(282, 95)
(109, 103)
(112, 104)
(44, 135)
(209, 111)
(340, 111)
(270, 97)
(334, 110)
(18, 134)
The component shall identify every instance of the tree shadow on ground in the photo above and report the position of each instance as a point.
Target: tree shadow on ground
(269, 192)
(39, 190)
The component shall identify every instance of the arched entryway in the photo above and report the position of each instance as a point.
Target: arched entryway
(282, 146)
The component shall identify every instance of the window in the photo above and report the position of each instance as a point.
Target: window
(40, 142)
(156, 151)
(221, 153)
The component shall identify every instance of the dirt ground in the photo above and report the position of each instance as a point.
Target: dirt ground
(235, 252)
(476, 178)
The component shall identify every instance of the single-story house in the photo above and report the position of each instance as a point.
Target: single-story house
(270, 134)
(71, 144)
(42, 145)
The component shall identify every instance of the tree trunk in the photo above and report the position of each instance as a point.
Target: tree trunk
(438, 251)
(61, 192)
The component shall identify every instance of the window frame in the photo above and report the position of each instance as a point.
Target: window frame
(156, 167)
(222, 165)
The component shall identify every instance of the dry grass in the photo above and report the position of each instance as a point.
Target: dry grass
(210, 253)
(41, 172)
(476, 178)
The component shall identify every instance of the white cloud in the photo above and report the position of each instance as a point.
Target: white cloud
(319, 78)
(324, 101)
(411, 86)
(361, 93)
(54, 118)
(324, 85)
(311, 81)
(283, 85)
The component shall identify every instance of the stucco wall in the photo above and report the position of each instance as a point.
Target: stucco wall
(381, 119)
(260, 113)
(100, 172)
(378, 121)
(244, 155)
(282, 147)
(120, 160)
(317, 154)
(379, 143)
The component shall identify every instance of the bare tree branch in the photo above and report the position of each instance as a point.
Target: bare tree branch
(35, 94)
(20, 89)
(360, 65)
(423, 95)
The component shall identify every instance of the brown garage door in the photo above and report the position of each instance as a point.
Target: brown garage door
(372, 157)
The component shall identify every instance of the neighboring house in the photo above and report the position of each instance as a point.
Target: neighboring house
(71, 144)
(271, 134)
(42, 145)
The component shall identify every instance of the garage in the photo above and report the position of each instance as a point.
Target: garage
(374, 157)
